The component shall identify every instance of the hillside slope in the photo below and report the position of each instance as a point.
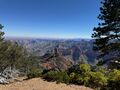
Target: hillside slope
(39, 84)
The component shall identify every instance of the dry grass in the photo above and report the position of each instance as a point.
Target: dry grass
(39, 84)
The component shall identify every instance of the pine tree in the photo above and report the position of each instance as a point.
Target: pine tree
(1, 33)
(11, 54)
(107, 34)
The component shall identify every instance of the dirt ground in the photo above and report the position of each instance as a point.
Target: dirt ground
(40, 84)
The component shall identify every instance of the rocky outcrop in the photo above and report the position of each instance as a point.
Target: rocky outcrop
(8, 75)
(55, 61)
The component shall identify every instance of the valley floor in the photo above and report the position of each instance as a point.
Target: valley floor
(40, 84)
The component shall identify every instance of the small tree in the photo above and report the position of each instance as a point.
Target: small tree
(11, 54)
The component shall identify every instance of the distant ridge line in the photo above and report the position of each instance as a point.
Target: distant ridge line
(41, 38)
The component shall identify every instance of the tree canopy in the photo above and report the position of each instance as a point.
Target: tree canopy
(107, 34)
(1, 33)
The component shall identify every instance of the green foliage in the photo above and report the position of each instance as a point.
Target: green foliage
(51, 76)
(84, 77)
(80, 74)
(10, 55)
(57, 76)
(98, 79)
(34, 72)
(114, 80)
(32, 62)
(114, 75)
(63, 77)
(74, 78)
(107, 34)
(94, 78)
(1, 33)
(85, 67)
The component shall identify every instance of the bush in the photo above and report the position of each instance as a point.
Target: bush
(50, 76)
(114, 80)
(85, 74)
(94, 79)
(74, 78)
(82, 77)
(57, 76)
(34, 73)
(64, 78)
(85, 68)
(83, 80)
(98, 80)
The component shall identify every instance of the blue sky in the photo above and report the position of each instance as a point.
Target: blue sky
(49, 18)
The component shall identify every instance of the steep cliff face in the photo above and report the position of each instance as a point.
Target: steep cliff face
(69, 49)
(55, 61)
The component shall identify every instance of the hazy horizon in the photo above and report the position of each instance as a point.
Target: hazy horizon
(49, 18)
(23, 37)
